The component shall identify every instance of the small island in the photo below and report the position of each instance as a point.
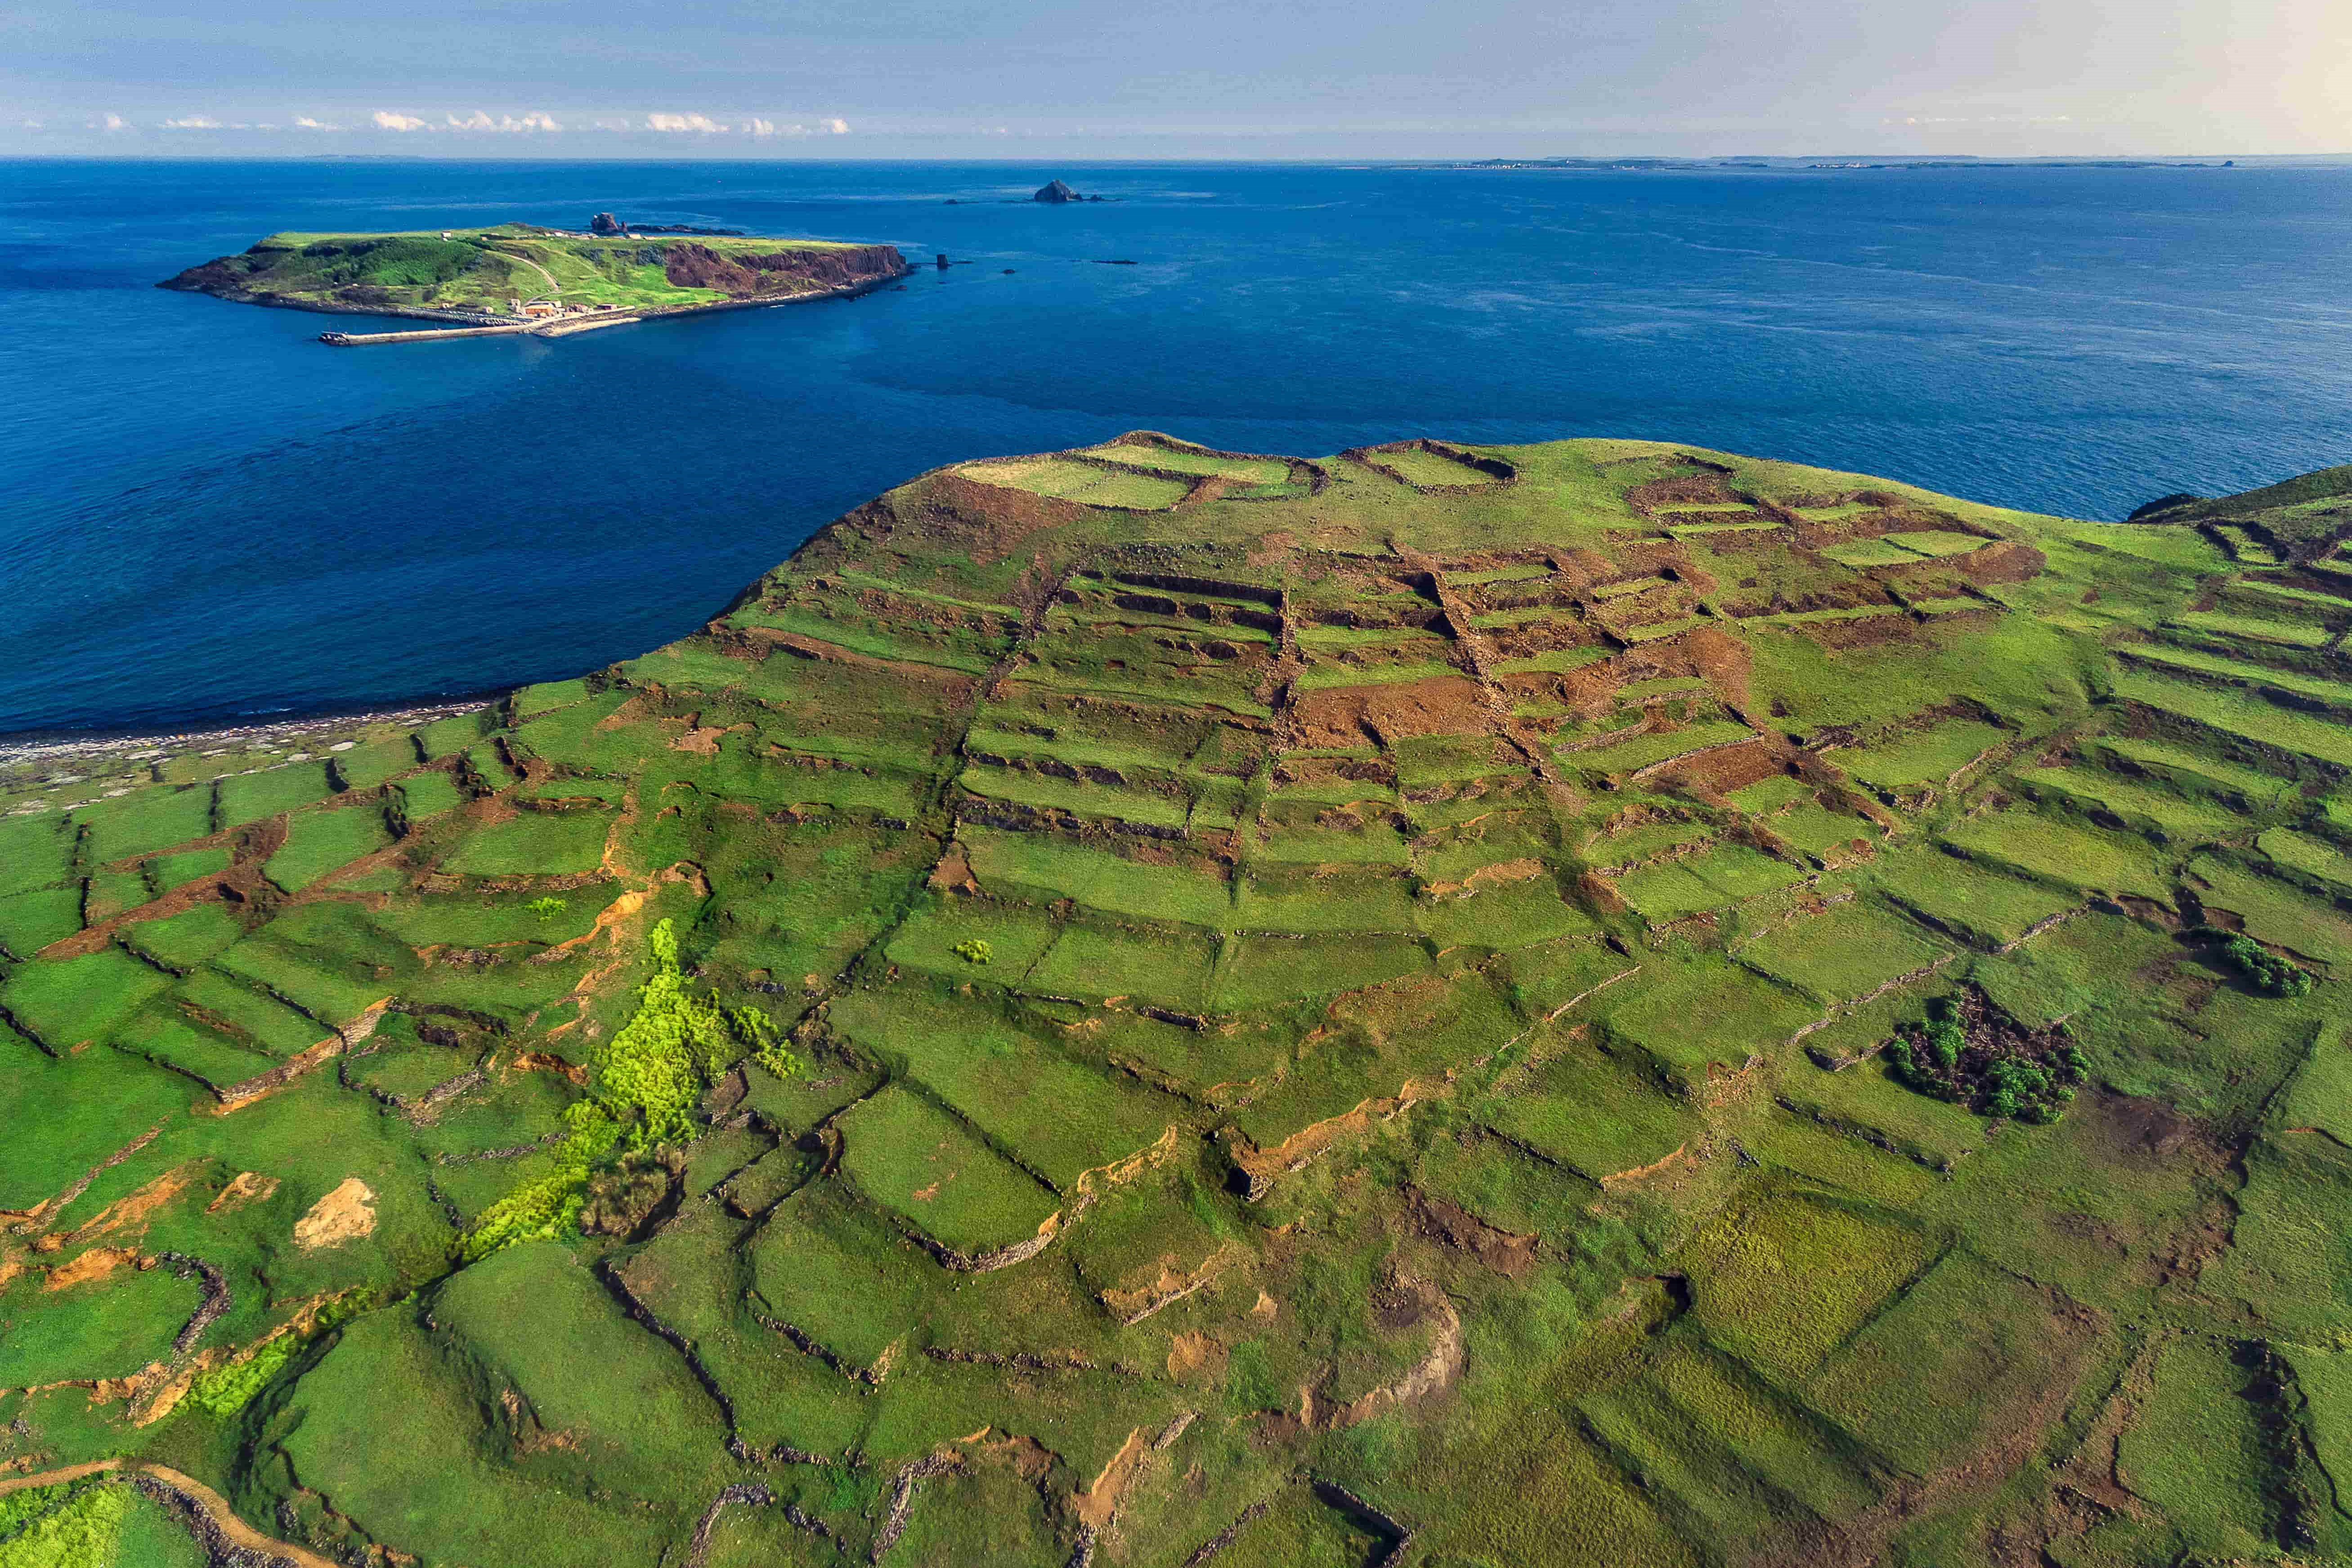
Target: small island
(518, 277)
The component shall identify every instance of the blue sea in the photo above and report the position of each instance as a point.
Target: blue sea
(208, 516)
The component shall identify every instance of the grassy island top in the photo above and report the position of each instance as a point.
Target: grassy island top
(1585, 1003)
(497, 270)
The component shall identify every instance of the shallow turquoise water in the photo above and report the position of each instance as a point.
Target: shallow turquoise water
(209, 515)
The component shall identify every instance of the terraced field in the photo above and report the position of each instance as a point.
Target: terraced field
(1580, 1004)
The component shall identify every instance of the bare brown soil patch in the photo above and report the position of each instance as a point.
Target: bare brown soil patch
(344, 1214)
(1344, 716)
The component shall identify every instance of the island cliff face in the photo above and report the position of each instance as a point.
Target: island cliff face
(1597, 1004)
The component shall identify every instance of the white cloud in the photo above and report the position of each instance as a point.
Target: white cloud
(193, 122)
(387, 120)
(614, 125)
(116, 123)
(839, 127)
(758, 127)
(675, 122)
(304, 122)
(506, 123)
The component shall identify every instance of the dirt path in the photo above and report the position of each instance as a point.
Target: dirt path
(207, 1503)
(552, 286)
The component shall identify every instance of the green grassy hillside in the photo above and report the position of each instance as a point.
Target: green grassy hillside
(1583, 1003)
(487, 270)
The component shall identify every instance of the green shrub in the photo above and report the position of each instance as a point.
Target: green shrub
(548, 907)
(973, 951)
(2264, 970)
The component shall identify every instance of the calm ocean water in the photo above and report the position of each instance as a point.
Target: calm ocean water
(209, 515)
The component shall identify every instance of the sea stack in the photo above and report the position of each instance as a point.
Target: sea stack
(1058, 193)
(606, 224)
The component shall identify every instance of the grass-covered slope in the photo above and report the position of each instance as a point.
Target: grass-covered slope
(488, 271)
(1583, 1004)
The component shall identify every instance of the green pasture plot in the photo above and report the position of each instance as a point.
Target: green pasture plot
(1771, 1437)
(2314, 858)
(2238, 714)
(1701, 1014)
(1406, 640)
(83, 1103)
(572, 737)
(965, 652)
(2244, 673)
(1376, 1042)
(1593, 1115)
(1812, 617)
(2198, 1451)
(1330, 901)
(2323, 1378)
(1424, 761)
(1607, 592)
(1863, 1099)
(428, 794)
(1338, 676)
(1846, 952)
(1980, 903)
(1657, 631)
(1176, 459)
(271, 1025)
(169, 1037)
(419, 1471)
(1714, 878)
(1657, 746)
(928, 1169)
(1934, 1374)
(1551, 661)
(2281, 598)
(2190, 771)
(1058, 1118)
(607, 792)
(447, 737)
(1376, 843)
(2275, 912)
(143, 822)
(1545, 977)
(1864, 554)
(2245, 547)
(1928, 757)
(1045, 868)
(2182, 549)
(1527, 574)
(1046, 791)
(324, 958)
(374, 763)
(1840, 1159)
(319, 842)
(1503, 620)
(2144, 808)
(107, 1326)
(1704, 530)
(483, 919)
(2255, 628)
(1508, 916)
(840, 1275)
(1063, 478)
(1635, 694)
(857, 579)
(1234, 1050)
(1012, 938)
(1936, 542)
(1683, 1465)
(249, 798)
(1166, 968)
(110, 893)
(1816, 830)
(1268, 971)
(1428, 469)
(1640, 843)
(533, 843)
(1784, 1283)
(30, 922)
(35, 854)
(547, 696)
(186, 939)
(63, 1003)
(2050, 851)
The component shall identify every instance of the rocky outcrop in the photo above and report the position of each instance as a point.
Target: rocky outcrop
(1056, 192)
(607, 225)
(781, 272)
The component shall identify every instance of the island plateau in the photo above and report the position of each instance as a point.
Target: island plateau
(1587, 1003)
(518, 274)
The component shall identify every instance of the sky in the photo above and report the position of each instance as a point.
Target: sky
(1184, 79)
